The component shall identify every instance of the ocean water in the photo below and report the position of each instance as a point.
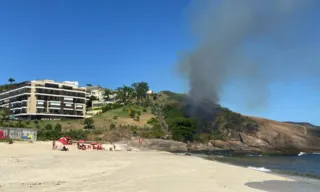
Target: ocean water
(304, 165)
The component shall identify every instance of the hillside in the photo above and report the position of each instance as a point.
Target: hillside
(165, 115)
(104, 120)
(274, 137)
(232, 131)
(305, 124)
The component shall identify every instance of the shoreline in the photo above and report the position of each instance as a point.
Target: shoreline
(36, 167)
(288, 174)
(220, 155)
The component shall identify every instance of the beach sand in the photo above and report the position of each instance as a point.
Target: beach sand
(35, 167)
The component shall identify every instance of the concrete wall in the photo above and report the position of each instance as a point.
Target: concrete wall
(32, 100)
(20, 133)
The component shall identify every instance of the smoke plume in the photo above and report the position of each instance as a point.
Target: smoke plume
(250, 43)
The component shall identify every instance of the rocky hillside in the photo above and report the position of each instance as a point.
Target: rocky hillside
(305, 124)
(273, 137)
(232, 131)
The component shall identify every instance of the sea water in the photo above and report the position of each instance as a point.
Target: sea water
(303, 164)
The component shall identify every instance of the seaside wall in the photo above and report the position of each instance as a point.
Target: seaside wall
(19, 133)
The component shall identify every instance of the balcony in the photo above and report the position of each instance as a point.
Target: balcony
(15, 93)
(40, 110)
(68, 109)
(68, 99)
(59, 92)
(24, 104)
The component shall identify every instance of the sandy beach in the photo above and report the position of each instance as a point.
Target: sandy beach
(35, 167)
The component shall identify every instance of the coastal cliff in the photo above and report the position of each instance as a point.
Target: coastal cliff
(228, 130)
(273, 137)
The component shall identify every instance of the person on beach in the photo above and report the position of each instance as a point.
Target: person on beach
(64, 148)
(53, 144)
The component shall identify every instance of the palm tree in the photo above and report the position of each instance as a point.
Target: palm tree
(11, 80)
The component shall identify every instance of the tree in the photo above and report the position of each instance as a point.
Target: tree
(88, 123)
(11, 80)
(140, 89)
(89, 85)
(5, 114)
(89, 101)
(121, 95)
(107, 93)
(129, 93)
(58, 127)
(125, 94)
(182, 129)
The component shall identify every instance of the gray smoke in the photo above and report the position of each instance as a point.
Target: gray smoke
(247, 42)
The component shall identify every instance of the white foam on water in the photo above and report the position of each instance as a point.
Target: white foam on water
(315, 153)
(262, 169)
(302, 153)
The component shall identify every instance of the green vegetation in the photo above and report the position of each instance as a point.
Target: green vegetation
(88, 123)
(11, 80)
(137, 113)
(110, 106)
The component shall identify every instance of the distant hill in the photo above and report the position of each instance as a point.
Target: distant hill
(305, 124)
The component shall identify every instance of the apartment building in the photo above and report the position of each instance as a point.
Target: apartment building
(98, 93)
(45, 99)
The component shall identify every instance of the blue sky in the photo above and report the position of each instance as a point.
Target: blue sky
(116, 42)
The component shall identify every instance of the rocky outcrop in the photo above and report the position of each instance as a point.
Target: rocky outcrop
(273, 137)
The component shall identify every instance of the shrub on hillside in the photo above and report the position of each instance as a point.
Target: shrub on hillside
(88, 123)
(22, 125)
(110, 107)
(137, 118)
(112, 126)
(98, 139)
(48, 127)
(77, 134)
(132, 113)
(97, 132)
(134, 130)
(58, 127)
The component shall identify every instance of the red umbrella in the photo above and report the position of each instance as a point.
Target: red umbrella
(94, 143)
(69, 138)
(81, 141)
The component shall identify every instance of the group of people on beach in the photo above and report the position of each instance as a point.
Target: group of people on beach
(54, 147)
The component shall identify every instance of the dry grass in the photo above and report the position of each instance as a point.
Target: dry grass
(104, 120)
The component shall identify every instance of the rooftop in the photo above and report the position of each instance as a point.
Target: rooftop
(68, 84)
